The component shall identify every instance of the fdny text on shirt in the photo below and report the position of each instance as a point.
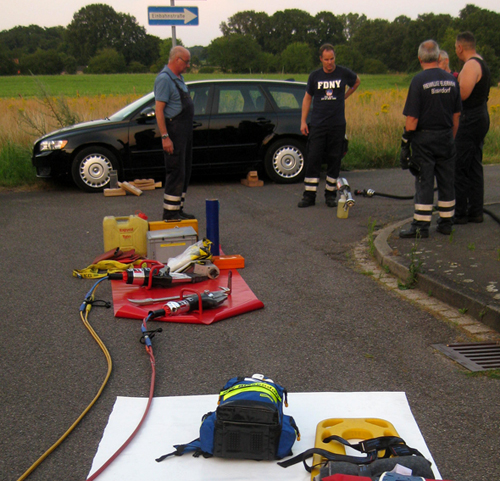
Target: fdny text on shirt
(330, 84)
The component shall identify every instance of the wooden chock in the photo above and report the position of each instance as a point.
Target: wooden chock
(130, 188)
(114, 192)
(252, 180)
(144, 184)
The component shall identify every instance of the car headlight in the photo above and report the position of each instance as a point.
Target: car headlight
(52, 145)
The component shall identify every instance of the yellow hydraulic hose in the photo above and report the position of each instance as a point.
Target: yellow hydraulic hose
(86, 306)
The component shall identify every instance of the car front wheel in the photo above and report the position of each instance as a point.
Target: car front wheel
(284, 161)
(91, 168)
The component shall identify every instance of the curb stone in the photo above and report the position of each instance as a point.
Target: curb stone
(444, 302)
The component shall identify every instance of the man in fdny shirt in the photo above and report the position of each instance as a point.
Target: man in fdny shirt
(326, 91)
(432, 113)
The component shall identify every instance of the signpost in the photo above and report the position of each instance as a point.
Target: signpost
(173, 16)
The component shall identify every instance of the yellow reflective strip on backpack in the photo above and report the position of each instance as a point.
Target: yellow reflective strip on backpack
(101, 269)
(258, 387)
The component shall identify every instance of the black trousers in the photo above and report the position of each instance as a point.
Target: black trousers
(435, 151)
(469, 178)
(178, 165)
(324, 146)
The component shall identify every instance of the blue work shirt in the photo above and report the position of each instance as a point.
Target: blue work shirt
(165, 91)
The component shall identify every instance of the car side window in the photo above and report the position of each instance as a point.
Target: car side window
(199, 96)
(287, 98)
(236, 99)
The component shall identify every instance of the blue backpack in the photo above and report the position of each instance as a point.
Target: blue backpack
(248, 423)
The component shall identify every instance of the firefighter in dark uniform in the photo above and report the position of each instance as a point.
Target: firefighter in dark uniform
(326, 91)
(432, 113)
(474, 79)
(174, 116)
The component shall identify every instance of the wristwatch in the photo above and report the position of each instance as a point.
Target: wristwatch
(165, 136)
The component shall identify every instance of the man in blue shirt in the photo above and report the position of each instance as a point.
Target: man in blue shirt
(326, 91)
(174, 116)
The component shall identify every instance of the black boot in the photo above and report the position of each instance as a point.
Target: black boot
(185, 215)
(308, 200)
(171, 215)
(331, 199)
(414, 232)
(445, 228)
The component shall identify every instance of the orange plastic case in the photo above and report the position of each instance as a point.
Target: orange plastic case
(229, 262)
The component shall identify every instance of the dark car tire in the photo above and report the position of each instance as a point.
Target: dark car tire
(91, 168)
(285, 161)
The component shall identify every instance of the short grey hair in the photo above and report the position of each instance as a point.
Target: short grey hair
(444, 55)
(428, 51)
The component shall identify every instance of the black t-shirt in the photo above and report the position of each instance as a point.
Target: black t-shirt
(328, 93)
(433, 98)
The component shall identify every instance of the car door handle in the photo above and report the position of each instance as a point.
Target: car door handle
(263, 120)
(197, 124)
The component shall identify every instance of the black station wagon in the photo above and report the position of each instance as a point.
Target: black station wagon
(239, 125)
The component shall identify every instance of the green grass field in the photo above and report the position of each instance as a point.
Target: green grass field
(374, 115)
(124, 84)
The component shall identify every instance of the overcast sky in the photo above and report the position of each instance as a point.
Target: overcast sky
(51, 13)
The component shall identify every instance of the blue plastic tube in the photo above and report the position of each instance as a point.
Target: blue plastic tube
(212, 212)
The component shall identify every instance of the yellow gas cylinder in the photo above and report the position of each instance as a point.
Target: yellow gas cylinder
(129, 232)
(352, 430)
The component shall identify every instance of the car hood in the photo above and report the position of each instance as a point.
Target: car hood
(76, 128)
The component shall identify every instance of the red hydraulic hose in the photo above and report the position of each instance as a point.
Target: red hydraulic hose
(149, 349)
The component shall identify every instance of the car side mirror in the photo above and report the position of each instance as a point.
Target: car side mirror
(148, 112)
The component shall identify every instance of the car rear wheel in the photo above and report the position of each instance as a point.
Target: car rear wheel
(91, 168)
(284, 161)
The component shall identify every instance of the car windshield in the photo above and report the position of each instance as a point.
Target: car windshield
(130, 108)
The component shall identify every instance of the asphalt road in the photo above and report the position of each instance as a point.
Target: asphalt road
(325, 325)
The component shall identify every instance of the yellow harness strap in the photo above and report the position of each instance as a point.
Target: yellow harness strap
(101, 269)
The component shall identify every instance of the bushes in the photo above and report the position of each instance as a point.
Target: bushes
(206, 70)
(374, 66)
(15, 165)
(42, 62)
(108, 60)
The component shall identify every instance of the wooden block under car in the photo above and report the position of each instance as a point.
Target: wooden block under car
(114, 192)
(130, 188)
(144, 184)
(252, 180)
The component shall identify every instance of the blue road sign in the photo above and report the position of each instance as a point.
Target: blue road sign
(175, 16)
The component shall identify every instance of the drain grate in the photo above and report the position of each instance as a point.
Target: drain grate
(479, 356)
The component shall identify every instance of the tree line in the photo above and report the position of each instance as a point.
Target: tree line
(105, 41)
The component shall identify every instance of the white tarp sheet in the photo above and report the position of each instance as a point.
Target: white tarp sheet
(176, 420)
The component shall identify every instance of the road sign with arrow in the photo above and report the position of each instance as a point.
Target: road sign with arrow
(175, 16)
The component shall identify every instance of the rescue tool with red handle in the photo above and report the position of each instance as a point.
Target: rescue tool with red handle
(154, 277)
